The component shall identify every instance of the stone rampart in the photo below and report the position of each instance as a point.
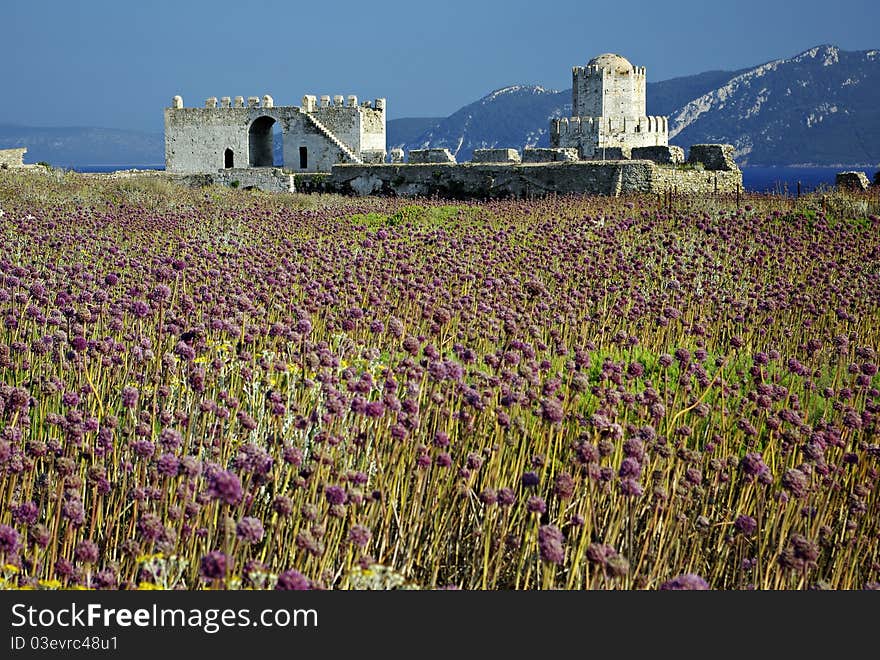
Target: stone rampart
(551, 155)
(12, 157)
(713, 156)
(419, 156)
(496, 156)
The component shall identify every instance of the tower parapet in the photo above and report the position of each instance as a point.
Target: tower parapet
(608, 110)
(237, 132)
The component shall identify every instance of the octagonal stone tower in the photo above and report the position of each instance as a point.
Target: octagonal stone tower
(608, 107)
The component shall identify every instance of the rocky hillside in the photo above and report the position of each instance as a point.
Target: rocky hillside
(69, 146)
(821, 107)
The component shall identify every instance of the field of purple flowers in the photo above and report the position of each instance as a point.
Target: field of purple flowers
(227, 389)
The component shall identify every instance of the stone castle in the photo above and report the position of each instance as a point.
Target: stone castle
(609, 146)
(233, 134)
(608, 104)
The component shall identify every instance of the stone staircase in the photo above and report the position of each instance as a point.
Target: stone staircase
(352, 157)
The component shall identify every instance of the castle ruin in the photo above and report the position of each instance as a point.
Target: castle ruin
(608, 106)
(608, 146)
(238, 134)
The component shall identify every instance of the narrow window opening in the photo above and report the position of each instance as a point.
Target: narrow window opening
(228, 159)
(303, 158)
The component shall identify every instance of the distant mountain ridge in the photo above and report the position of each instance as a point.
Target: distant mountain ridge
(69, 146)
(821, 107)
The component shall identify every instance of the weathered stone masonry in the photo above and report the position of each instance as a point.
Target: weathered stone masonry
(234, 134)
(492, 180)
(12, 158)
(609, 147)
(608, 111)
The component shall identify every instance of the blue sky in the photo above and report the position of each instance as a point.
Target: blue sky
(117, 63)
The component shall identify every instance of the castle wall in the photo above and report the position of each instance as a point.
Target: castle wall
(483, 181)
(197, 139)
(488, 180)
(12, 157)
(600, 92)
(373, 131)
(694, 181)
(590, 134)
(493, 180)
(321, 153)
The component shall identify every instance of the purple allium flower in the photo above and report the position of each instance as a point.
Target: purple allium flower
(359, 535)
(74, 512)
(247, 422)
(39, 535)
(488, 496)
(282, 505)
(26, 513)
(9, 541)
(374, 409)
(226, 486)
(693, 476)
(630, 487)
(746, 525)
(550, 544)
(129, 397)
(687, 582)
(292, 581)
(800, 554)
(506, 496)
(563, 486)
(536, 504)
(630, 467)
(167, 465)
(86, 552)
(335, 495)
(530, 479)
(474, 461)
(249, 530)
(213, 566)
(795, 482)
(140, 309)
(150, 527)
(63, 567)
(70, 399)
(753, 465)
(551, 410)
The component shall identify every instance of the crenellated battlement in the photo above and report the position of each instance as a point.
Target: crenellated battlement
(231, 132)
(565, 126)
(608, 108)
(595, 70)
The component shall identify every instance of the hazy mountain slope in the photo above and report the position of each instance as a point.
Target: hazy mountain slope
(68, 146)
(820, 107)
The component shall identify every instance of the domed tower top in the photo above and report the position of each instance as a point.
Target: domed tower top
(612, 62)
(608, 86)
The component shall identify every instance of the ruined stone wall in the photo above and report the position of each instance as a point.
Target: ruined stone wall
(491, 180)
(344, 122)
(12, 157)
(600, 92)
(496, 156)
(373, 130)
(590, 134)
(321, 153)
(197, 139)
(690, 180)
(484, 181)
